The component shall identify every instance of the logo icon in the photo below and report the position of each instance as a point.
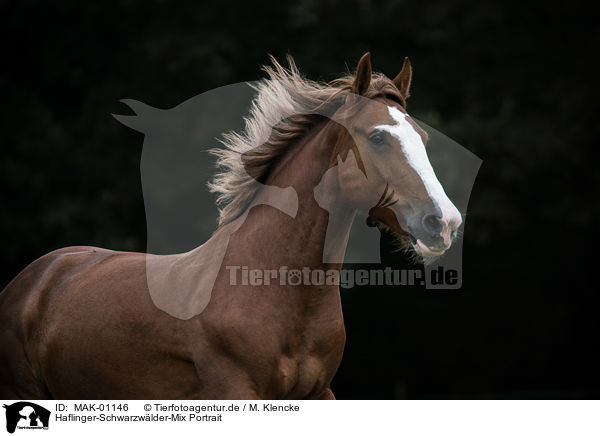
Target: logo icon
(26, 415)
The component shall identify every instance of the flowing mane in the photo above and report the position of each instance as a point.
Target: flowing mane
(283, 110)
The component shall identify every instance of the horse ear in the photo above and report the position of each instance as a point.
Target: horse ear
(402, 80)
(363, 75)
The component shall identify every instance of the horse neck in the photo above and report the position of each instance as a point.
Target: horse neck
(303, 240)
(270, 239)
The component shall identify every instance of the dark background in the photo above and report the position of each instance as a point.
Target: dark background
(511, 81)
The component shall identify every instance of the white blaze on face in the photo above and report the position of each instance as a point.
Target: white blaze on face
(414, 150)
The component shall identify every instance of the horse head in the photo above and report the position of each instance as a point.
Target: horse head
(393, 179)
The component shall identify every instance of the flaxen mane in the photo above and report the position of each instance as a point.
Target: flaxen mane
(283, 110)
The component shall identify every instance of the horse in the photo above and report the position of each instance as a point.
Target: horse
(86, 322)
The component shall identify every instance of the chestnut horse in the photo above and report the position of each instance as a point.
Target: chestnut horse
(83, 322)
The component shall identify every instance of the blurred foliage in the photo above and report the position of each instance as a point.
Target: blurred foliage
(512, 81)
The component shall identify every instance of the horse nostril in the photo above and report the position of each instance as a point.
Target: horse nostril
(433, 224)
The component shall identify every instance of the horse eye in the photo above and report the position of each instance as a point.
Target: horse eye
(377, 138)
